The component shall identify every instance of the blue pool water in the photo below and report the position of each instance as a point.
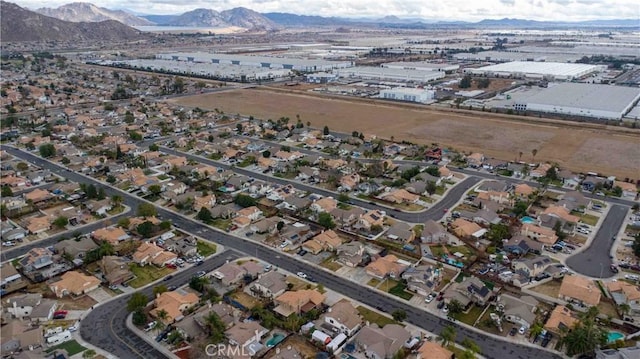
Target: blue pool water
(527, 220)
(274, 340)
(613, 336)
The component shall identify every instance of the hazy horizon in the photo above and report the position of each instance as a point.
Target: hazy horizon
(453, 10)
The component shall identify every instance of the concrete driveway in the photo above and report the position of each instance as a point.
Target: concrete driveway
(99, 295)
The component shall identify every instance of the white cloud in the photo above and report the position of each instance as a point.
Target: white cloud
(469, 10)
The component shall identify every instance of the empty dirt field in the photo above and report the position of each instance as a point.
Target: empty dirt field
(572, 145)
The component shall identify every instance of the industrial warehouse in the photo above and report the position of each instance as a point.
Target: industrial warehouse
(606, 102)
(537, 70)
(287, 63)
(395, 74)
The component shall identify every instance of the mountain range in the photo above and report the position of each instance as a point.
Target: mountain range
(252, 20)
(19, 24)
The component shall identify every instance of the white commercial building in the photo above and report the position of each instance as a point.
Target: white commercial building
(537, 70)
(218, 71)
(383, 73)
(304, 65)
(422, 66)
(408, 94)
(576, 99)
(321, 77)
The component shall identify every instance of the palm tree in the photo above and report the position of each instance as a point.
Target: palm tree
(162, 315)
(447, 335)
(534, 152)
(116, 200)
(625, 309)
(536, 329)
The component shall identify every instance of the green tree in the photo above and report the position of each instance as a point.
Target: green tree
(61, 222)
(159, 289)
(343, 197)
(47, 150)
(325, 130)
(498, 232)
(154, 147)
(205, 215)
(128, 117)
(135, 136)
(138, 317)
(455, 308)
(266, 154)
(245, 201)
(465, 83)
(536, 329)
(147, 210)
(163, 316)
(279, 225)
(520, 208)
(399, 315)
(145, 229)
(586, 336)
(448, 335)
(433, 170)
(89, 354)
(431, 187)
(636, 245)
(6, 191)
(137, 301)
(471, 345)
(325, 220)
(165, 225)
(198, 283)
(215, 327)
(155, 189)
(124, 222)
(22, 166)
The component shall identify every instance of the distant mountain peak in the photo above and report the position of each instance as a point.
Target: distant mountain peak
(88, 12)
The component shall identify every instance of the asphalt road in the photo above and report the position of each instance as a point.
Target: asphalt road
(435, 212)
(115, 338)
(105, 326)
(595, 261)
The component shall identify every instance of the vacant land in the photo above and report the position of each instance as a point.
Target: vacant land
(579, 147)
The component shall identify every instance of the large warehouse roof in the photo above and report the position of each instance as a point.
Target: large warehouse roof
(556, 69)
(587, 96)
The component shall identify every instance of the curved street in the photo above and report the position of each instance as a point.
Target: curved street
(121, 342)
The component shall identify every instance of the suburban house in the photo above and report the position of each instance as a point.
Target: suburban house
(268, 285)
(400, 196)
(19, 336)
(434, 233)
(531, 267)
(433, 350)
(183, 246)
(382, 343)
(541, 170)
(625, 293)
(520, 311)
(560, 320)
(344, 317)
(422, 279)
(10, 279)
(245, 335)
(174, 303)
(560, 213)
(326, 204)
(346, 217)
(112, 235)
(580, 290)
(149, 252)
(75, 284)
(401, 231)
(115, 270)
(574, 201)
(36, 259)
(523, 191)
(232, 274)
(543, 235)
(247, 215)
(470, 290)
(370, 219)
(298, 302)
(475, 159)
(38, 224)
(387, 266)
(75, 249)
(21, 306)
(350, 254)
(99, 207)
(629, 190)
(522, 245)
(465, 229)
(326, 240)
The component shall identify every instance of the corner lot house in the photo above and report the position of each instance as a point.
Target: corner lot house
(74, 283)
(174, 304)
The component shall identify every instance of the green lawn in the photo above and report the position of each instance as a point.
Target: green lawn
(206, 249)
(221, 223)
(373, 282)
(587, 218)
(331, 265)
(147, 274)
(400, 291)
(440, 190)
(388, 284)
(72, 347)
(373, 317)
(471, 316)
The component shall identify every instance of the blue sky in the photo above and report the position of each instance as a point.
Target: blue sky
(469, 10)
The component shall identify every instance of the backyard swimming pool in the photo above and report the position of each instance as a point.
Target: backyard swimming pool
(613, 336)
(527, 220)
(274, 340)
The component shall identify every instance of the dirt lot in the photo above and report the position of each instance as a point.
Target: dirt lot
(579, 147)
